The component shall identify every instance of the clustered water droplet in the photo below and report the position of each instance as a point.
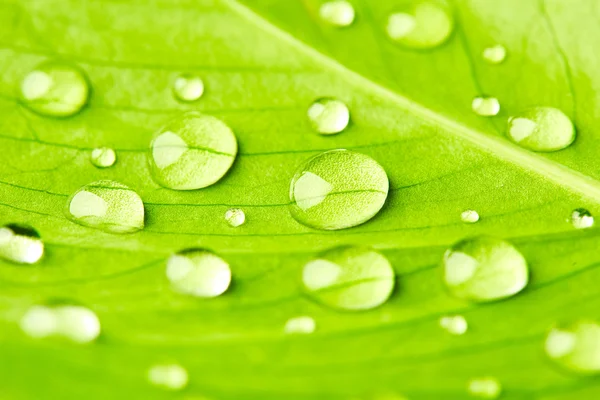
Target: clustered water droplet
(541, 129)
(486, 106)
(423, 26)
(103, 157)
(235, 217)
(338, 13)
(300, 325)
(484, 388)
(20, 244)
(75, 323)
(198, 272)
(168, 376)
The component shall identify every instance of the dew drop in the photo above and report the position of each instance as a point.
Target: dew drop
(486, 106)
(575, 346)
(484, 388)
(328, 116)
(424, 26)
(235, 217)
(494, 54)
(107, 205)
(484, 269)
(39, 322)
(338, 189)
(349, 278)
(55, 89)
(168, 376)
(188, 87)
(541, 129)
(198, 272)
(338, 13)
(103, 157)
(469, 216)
(454, 324)
(300, 325)
(582, 219)
(20, 244)
(75, 323)
(192, 151)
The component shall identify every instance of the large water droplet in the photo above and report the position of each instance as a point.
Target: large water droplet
(575, 346)
(188, 87)
(76, 323)
(107, 205)
(338, 189)
(495, 54)
(328, 116)
(55, 89)
(103, 157)
(582, 218)
(198, 272)
(235, 217)
(484, 388)
(484, 269)
(423, 26)
(300, 325)
(454, 324)
(469, 216)
(541, 129)
(337, 12)
(192, 151)
(486, 106)
(350, 278)
(20, 244)
(168, 376)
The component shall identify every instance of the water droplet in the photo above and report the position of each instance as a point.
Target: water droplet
(582, 219)
(328, 116)
(469, 216)
(484, 388)
(188, 87)
(495, 54)
(75, 323)
(103, 157)
(107, 205)
(541, 129)
(338, 189)
(192, 151)
(168, 376)
(425, 25)
(484, 268)
(486, 106)
(454, 324)
(337, 12)
(198, 272)
(55, 89)
(350, 278)
(20, 244)
(575, 346)
(235, 217)
(39, 322)
(301, 325)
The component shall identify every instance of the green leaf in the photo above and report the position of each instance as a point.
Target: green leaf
(263, 63)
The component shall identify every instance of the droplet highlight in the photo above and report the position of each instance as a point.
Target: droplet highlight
(494, 54)
(188, 87)
(103, 157)
(469, 216)
(541, 129)
(300, 325)
(235, 217)
(168, 376)
(485, 388)
(582, 219)
(486, 106)
(20, 244)
(423, 26)
(339, 13)
(575, 346)
(198, 272)
(328, 116)
(75, 323)
(454, 324)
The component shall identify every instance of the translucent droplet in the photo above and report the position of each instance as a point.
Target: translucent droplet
(575, 346)
(338, 189)
(328, 116)
(76, 323)
(188, 87)
(235, 217)
(107, 205)
(300, 325)
(103, 157)
(168, 376)
(198, 272)
(454, 324)
(20, 244)
(192, 151)
(582, 219)
(495, 54)
(486, 106)
(541, 129)
(55, 89)
(350, 278)
(39, 322)
(485, 388)
(469, 216)
(337, 12)
(423, 26)
(484, 269)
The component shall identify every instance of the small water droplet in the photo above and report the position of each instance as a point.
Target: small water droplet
(192, 151)
(454, 324)
(424, 26)
(484, 388)
(484, 269)
(103, 157)
(76, 323)
(582, 218)
(107, 205)
(235, 217)
(575, 346)
(328, 116)
(494, 54)
(198, 272)
(300, 325)
(55, 89)
(469, 216)
(20, 244)
(486, 106)
(188, 87)
(349, 278)
(168, 376)
(541, 129)
(338, 13)
(338, 189)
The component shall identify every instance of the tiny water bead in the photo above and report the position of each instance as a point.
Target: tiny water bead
(235, 217)
(75, 323)
(188, 87)
(55, 89)
(107, 205)
(20, 244)
(168, 376)
(484, 388)
(192, 151)
(198, 272)
(338, 13)
(494, 54)
(541, 129)
(454, 324)
(338, 189)
(300, 325)
(486, 106)
(575, 346)
(103, 157)
(424, 26)
(484, 269)
(469, 216)
(349, 278)
(328, 116)
(582, 218)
